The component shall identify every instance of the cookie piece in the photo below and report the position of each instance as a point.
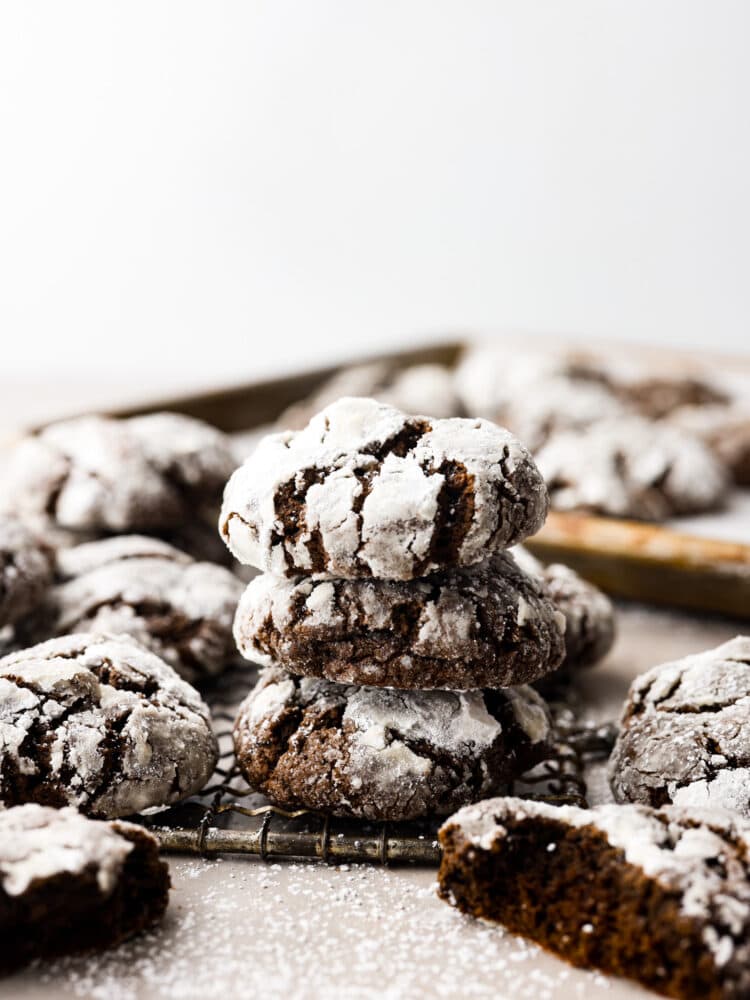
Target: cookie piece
(684, 735)
(365, 491)
(484, 626)
(102, 724)
(97, 474)
(589, 614)
(725, 429)
(181, 609)
(632, 468)
(25, 571)
(383, 754)
(662, 897)
(70, 884)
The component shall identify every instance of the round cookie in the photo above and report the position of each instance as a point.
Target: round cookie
(100, 475)
(71, 884)
(725, 429)
(491, 379)
(25, 571)
(684, 734)
(382, 754)
(589, 614)
(102, 724)
(485, 626)
(181, 609)
(365, 491)
(632, 468)
(553, 405)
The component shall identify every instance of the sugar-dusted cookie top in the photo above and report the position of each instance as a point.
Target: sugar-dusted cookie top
(632, 467)
(685, 732)
(380, 753)
(181, 609)
(365, 491)
(100, 723)
(99, 474)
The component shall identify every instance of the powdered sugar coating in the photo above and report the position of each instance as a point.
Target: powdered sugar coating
(632, 468)
(383, 753)
(488, 625)
(725, 429)
(588, 612)
(37, 843)
(100, 723)
(685, 734)
(700, 855)
(181, 609)
(100, 474)
(25, 571)
(366, 491)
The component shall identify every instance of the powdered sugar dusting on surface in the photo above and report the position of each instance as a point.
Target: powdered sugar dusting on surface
(311, 931)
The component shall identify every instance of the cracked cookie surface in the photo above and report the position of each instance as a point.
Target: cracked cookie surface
(180, 609)
(383, 754)
(489, 625)
(102, 724)
(632, 468)
(365, 491)
(684, 735)
(25, 571)
(588, 612)
(660, 896)
(71, 884)
(102, 475)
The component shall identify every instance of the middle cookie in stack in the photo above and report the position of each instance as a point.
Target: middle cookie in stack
(382, 536)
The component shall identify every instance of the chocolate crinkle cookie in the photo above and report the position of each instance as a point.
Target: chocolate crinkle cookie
(383, 754)
(725, 429)
(589, 615)
(71, 884)
(181, 609)
(102, 724)
(632, 468)
(685, 733)
(488, 625)
(25, 571)
(662, 897)
(365, 491)
(101, 475)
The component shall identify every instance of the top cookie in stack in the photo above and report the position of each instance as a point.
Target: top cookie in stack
(365, 491)
(391, 528)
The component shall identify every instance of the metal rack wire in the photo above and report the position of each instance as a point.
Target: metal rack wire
(228, 818)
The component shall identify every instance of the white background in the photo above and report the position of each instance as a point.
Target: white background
(199, 192)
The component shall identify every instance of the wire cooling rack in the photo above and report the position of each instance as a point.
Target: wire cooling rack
(228, 818)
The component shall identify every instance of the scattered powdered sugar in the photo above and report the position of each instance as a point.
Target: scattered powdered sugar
(308, 931)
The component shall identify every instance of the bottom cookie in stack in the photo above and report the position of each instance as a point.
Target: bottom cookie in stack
(383, 753)
(661, 896)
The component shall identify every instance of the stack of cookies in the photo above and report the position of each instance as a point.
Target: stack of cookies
(397, 632)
